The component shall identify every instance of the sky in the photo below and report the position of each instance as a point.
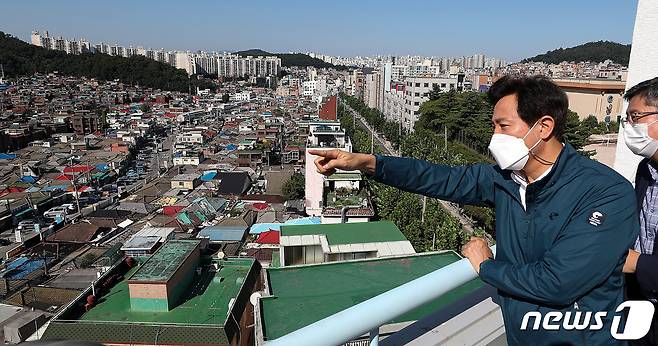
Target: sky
(509, 29)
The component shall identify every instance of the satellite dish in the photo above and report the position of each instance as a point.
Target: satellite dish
(221, 255)
(253, 299)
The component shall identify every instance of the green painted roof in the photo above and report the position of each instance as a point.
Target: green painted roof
(349, 233)
(201, 319)
(202, 306)
(164, 262)
(306, 294)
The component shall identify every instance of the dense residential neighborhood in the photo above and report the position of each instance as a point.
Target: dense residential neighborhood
(182, 205)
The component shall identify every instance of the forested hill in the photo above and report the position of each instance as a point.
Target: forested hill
(591, 51)
(21, 59)
(292, 59)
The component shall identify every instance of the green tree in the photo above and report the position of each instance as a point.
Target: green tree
(225, 98)
(294, 187)
(87, 260)
(575, 133)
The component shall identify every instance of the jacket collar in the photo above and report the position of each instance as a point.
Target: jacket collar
(556, 176)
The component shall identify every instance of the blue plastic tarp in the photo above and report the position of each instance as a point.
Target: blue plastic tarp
(29, 179)
(259, 228)
(208, 176)
(54, 188)
(5, 156)
(311, 220)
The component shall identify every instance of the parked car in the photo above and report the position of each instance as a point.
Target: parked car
(61, 211)
(27, 225)
(109, 188)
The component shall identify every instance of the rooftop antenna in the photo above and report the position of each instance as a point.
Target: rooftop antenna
(2, 74)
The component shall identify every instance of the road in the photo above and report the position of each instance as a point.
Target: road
(452, 208)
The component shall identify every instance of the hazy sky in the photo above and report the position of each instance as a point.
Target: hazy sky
(511, 29)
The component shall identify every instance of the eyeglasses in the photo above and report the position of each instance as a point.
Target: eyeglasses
(634, 117)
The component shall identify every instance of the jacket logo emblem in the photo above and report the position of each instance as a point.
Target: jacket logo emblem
(596, 218)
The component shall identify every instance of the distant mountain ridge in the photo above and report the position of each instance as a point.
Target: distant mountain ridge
(292, 59)
(591, 51)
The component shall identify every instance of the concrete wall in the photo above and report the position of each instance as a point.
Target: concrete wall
(179, 283)
(594, 102)
(163, 296)
(642, 65)
(314, 184)
(148, 297)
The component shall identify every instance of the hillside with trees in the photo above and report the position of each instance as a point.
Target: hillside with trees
(292, 59)
(23, 59)
(592, 51)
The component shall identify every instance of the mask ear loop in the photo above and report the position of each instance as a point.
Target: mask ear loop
(535, 156)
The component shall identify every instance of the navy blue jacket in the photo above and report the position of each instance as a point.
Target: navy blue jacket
(565, 253)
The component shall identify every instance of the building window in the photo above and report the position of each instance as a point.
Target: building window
(417, 94)
(426, 85)
(416, 103)
(418, 85)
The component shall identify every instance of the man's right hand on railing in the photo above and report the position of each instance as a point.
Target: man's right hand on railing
(330, 160)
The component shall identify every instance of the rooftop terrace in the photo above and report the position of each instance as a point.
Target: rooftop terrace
(202, 318)
(305, 294)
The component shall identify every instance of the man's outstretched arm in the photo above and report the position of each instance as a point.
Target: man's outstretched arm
(472, 184)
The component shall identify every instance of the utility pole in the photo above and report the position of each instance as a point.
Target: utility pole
(422, 217)
(445, 137)
(157, 156)
(75, 187)
(372, 140)
(434, 241)
(2, 93)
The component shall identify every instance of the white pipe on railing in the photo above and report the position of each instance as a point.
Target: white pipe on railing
(366, 316)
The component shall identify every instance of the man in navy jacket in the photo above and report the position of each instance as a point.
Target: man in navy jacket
(640, 132)
(563, 222)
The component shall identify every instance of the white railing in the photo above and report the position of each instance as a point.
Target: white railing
(368, 316)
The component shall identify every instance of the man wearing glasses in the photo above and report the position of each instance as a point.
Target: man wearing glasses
(641, 134)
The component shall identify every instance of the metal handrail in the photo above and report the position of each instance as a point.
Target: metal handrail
(366, 317)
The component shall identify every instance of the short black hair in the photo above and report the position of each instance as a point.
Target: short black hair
(648, 89)
(537, 96)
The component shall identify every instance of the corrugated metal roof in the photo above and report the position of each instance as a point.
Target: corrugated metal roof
(223, 233)
(349, 233)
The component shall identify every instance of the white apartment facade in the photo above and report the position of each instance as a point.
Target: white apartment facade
(416, 92)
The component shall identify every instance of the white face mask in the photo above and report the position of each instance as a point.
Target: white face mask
(510, 152)
(638, 140)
